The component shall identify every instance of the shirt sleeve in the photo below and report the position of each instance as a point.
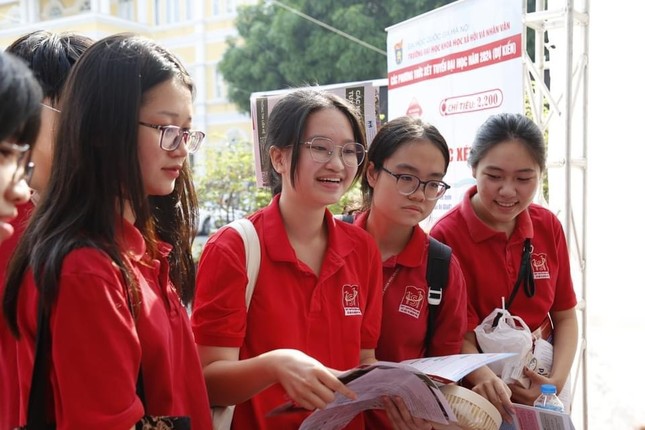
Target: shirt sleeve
(95, 348)
(219, 309)
(374, 310)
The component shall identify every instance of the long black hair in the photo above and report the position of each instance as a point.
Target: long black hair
(97, 173)
(20, 98)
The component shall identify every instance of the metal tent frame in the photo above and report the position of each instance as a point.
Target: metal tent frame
(556, 86)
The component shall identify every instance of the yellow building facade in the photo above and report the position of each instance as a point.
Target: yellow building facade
(195, 30)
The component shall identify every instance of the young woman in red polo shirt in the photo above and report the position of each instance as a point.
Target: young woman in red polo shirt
(495, 227)
(317, 302)
(108, 257)
(407, 161)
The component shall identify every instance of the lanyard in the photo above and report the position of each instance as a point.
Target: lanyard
(524, 278)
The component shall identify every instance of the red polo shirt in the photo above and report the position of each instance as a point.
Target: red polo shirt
(9, 391)
(405, 309)
(97, 350)
(330, 317)
(491, 262)
(405, 304)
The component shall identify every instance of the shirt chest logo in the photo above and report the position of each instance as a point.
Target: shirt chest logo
(540, 266)
(350, 300)
(412, 301)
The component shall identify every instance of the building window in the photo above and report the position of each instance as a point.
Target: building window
(13, 16)
(126, 9)
(218, 84)
(189, 10)
(230, 6)
(55, 11)
(86, 6)
(216, 7)
(172, 11)
(157, 9)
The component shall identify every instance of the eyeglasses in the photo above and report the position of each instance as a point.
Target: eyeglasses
(172, 136)
(22, 155)
(322, 150)
(51, 108)
(408, 184)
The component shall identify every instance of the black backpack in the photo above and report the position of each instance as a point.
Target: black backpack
(436, 276)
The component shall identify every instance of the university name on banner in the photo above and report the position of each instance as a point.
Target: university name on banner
(454, 67)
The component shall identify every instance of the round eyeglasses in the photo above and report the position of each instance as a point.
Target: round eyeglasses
(407, 184)
(322, 150)
(172, 136)
(22, 155)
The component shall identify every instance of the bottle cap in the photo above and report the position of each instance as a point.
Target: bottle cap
(548, 389)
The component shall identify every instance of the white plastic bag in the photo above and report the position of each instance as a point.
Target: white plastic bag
(511, 334)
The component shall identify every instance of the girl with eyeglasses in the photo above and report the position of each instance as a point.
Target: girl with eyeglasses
(407, 161)
(493, 230)
(19, 124)
(316, 307)
(101, 272)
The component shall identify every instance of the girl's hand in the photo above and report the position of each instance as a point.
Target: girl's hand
(400, 417)
(498, 393)
(527, 396)
(307, 382)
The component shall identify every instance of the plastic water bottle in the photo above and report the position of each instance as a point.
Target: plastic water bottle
(548, 399)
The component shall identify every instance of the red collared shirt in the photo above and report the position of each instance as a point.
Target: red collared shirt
(405, 304)
(491, 262)
(97, 350)
(330, 317)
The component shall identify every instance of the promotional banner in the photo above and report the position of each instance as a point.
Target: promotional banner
(364, 95)
(454, 67)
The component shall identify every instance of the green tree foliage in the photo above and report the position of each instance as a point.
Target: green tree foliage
(225, 184)
(278, 49)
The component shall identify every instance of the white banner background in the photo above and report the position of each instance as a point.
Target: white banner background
(454, 67)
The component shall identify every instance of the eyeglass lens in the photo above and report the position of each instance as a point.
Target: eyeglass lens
(22, 156)
(322, 150)
(171, 138)
(408, 184)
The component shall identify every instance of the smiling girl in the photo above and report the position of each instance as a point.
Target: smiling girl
(491, 231)
(317, 300)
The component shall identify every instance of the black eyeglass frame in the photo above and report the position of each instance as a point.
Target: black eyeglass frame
(192, 134)
(445, 187)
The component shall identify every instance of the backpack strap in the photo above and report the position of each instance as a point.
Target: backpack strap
(249, 236)
(439, 255)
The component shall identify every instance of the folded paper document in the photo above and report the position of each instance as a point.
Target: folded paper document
(416, 381)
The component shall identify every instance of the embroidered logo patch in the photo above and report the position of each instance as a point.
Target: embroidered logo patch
(350, 300)
(412, 301)
(540, 266)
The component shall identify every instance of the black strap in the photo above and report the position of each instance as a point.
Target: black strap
(437, 278)
(524, 277)
(40, 387)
